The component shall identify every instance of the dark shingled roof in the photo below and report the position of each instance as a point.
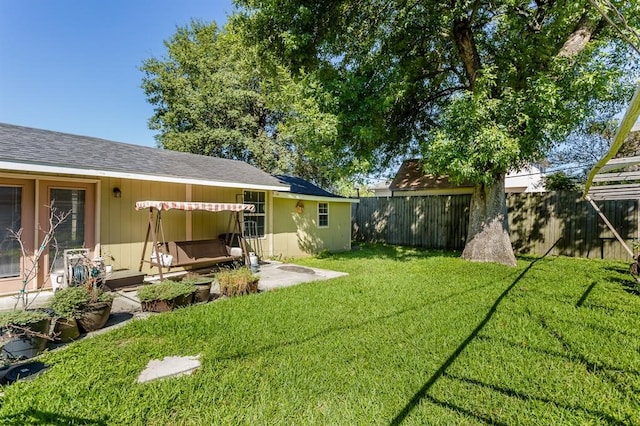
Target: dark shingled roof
(411, 177)
(47, 148)
(303, 187)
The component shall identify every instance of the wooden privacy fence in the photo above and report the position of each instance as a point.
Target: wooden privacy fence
(557, 223)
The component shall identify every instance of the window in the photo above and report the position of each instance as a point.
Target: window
(70, 233)
(323, 215)
(254, 222)
(10, 219)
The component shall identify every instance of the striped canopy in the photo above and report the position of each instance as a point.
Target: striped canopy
(185, 205)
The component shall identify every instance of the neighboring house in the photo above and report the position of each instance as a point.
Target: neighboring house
(309, 219)
(529, 179)
(412, 180)
(100, 181)
(381, 189)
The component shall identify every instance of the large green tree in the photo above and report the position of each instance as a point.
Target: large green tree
(214, 95)
(480, 87)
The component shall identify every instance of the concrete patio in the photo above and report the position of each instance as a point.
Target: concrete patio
(273, 275)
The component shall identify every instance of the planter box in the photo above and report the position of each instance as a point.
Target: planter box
(166, 305)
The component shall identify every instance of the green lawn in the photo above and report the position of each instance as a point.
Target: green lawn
(410, 336)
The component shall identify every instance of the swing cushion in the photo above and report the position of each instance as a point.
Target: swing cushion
(200, 251)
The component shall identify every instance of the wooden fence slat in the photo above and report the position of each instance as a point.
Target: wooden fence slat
(538, 222)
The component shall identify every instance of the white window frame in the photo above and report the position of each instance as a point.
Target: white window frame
(249, 215)
(323, 214)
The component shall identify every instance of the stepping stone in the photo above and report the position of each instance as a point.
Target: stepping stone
(170, 366)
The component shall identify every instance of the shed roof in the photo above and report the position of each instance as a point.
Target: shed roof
(411, 177)
(44, 151)
(304, 187)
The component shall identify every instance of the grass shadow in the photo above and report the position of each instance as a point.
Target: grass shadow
(463, 411)
(585, 295)
(337, 329)
(45, 417)
(529, 397)
(393, 252)
(423, 391)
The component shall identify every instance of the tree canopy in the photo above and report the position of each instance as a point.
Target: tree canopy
(479, 87)
(213, 95)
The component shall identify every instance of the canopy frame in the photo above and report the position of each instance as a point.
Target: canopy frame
(606, 171)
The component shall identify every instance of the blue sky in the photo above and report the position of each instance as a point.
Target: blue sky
(73, 65)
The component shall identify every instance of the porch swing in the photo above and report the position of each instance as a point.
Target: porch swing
(168, 254)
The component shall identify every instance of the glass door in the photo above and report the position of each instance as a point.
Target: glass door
(69, 234)
(10, 222)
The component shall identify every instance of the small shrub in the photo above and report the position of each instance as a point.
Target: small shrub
(71, 302)
(21, 318)
(236, 282)
(323, 254)
(165, 290)
(68, 302)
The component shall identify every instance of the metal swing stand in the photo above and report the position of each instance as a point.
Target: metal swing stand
(154, 228)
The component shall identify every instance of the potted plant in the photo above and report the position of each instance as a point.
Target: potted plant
(95, 312)
(165, 295)
(202, 284)
(87, 306)
(236, 282)
(66, 304)
(24, 333)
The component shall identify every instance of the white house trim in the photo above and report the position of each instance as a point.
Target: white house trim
(39, 168)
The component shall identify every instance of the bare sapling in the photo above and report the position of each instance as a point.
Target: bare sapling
(30, 262)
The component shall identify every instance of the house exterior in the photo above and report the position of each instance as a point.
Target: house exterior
(381, 188)
(412, 180)
(310, 219)
(100, 181)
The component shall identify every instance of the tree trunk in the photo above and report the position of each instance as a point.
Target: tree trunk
(488, 234)
(466, 45)
(580, 37)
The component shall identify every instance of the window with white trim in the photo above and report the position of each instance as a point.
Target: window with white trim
(254, 222)
(323, 215)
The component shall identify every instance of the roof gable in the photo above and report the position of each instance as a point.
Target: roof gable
(411, 177)
(84, 155)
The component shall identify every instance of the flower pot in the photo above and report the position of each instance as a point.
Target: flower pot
(24, 346)
(95, 316)
(66, 329)
(182, 301)
(203, 291)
